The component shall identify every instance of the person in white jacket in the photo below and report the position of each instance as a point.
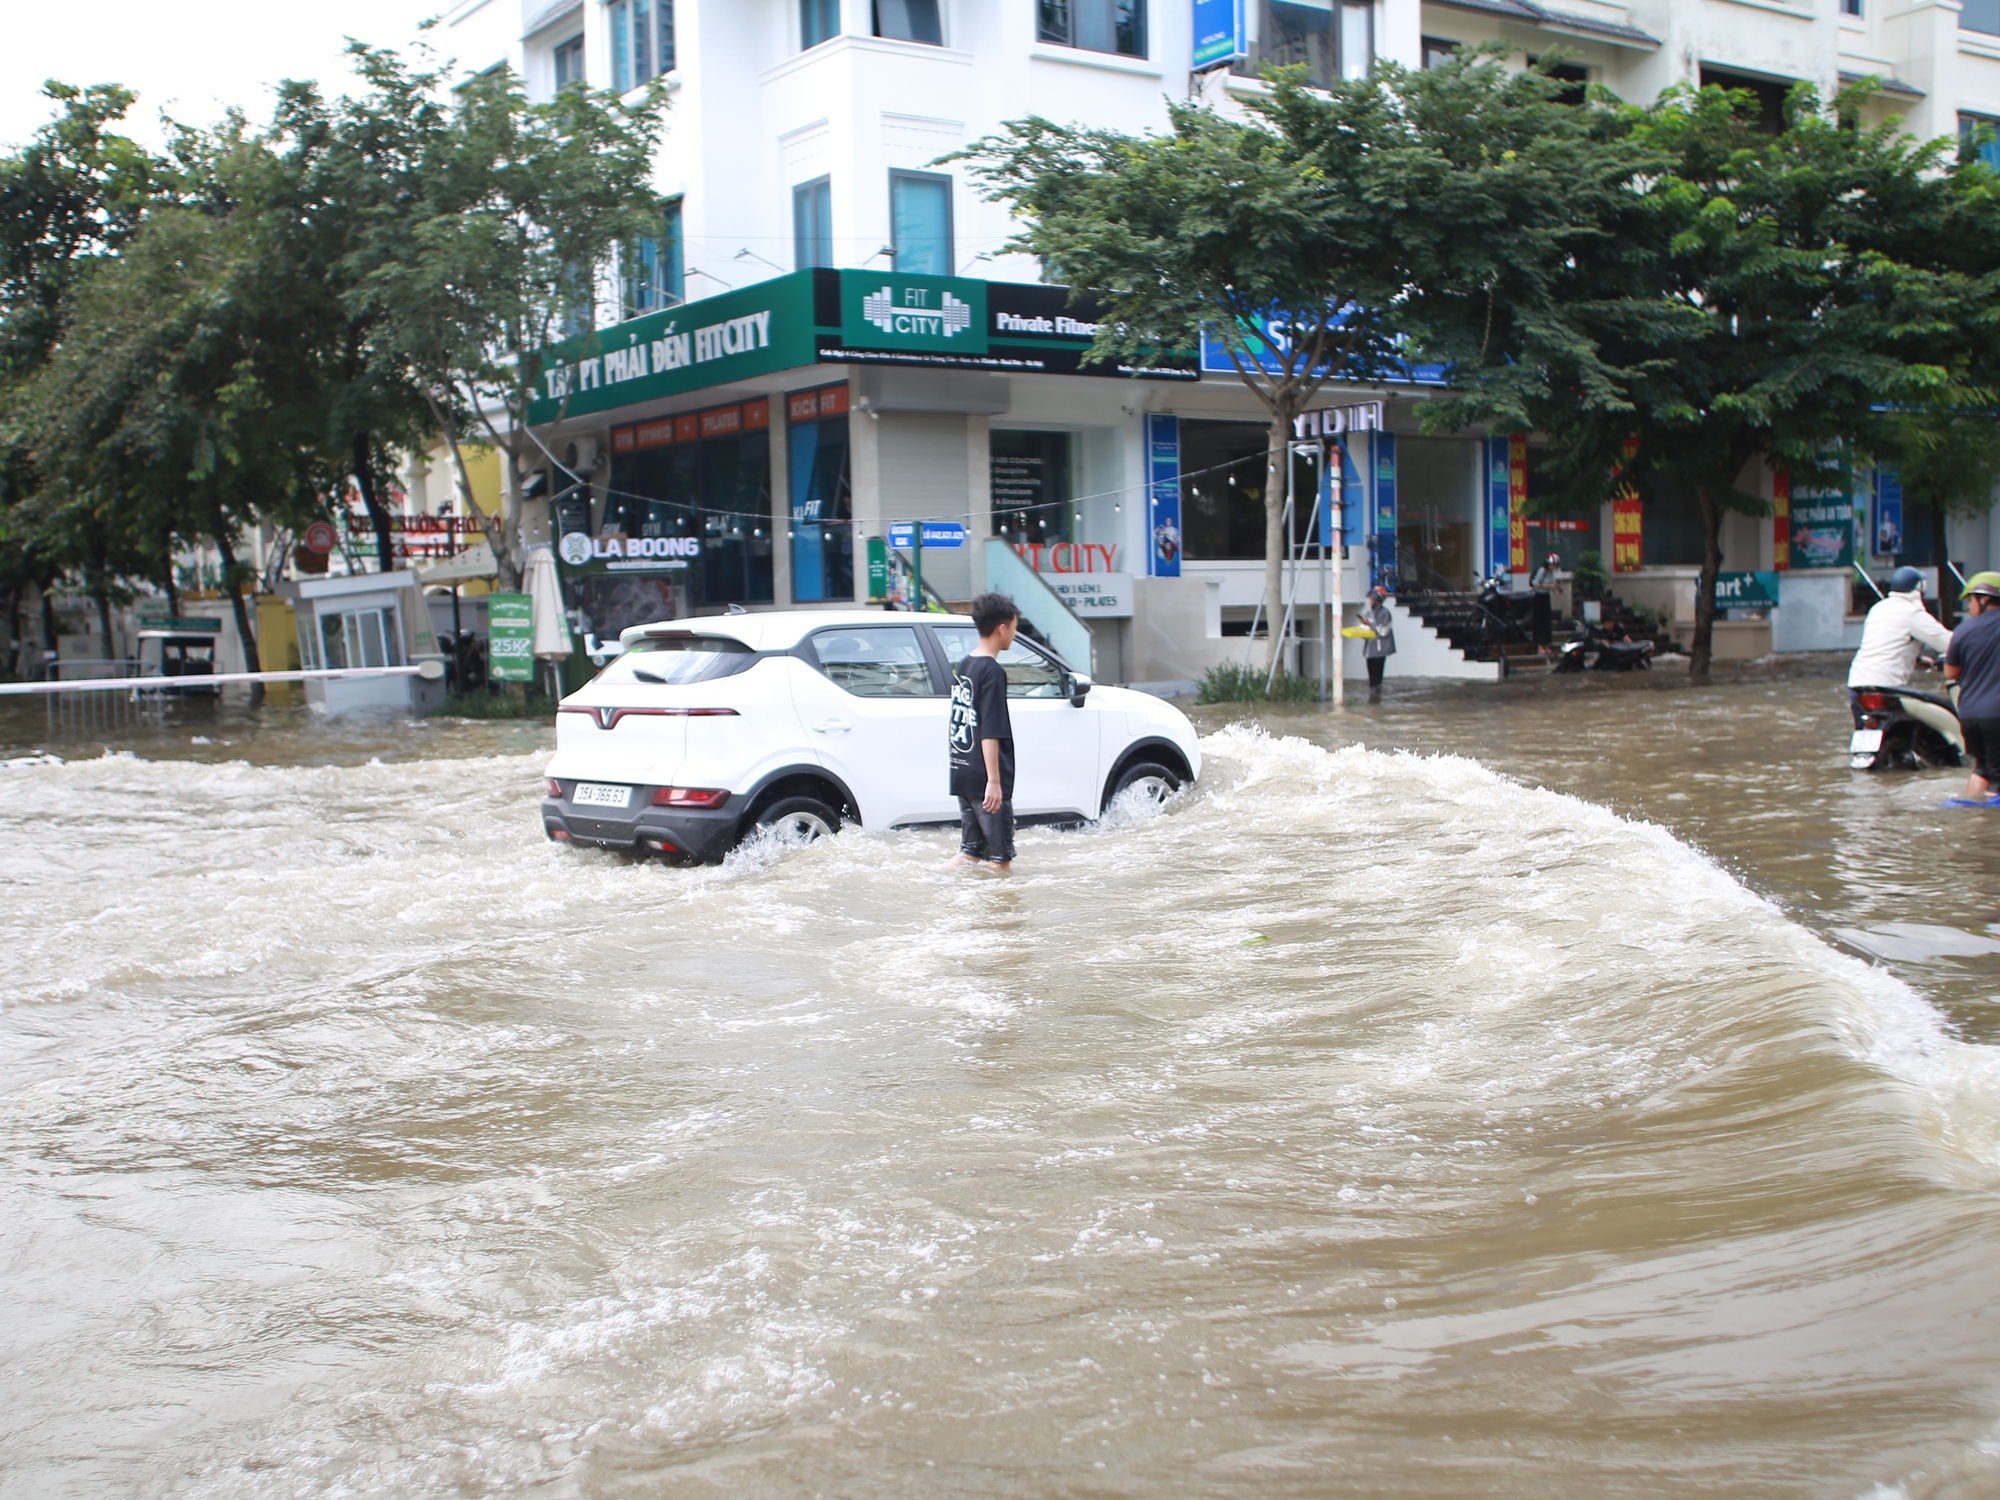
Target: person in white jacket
(1898, 626)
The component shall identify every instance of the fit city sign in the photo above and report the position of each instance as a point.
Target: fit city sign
(930, 314)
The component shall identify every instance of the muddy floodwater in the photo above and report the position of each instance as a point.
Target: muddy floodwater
(1565, 1088)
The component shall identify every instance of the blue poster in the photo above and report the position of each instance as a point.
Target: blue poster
(1353, 491)
(1382, 512)
(1887, 516)
(1163, 496)
(1498, 549)
(1218, 33)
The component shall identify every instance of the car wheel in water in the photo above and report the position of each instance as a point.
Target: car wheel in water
(800, 820)
(1155, 782)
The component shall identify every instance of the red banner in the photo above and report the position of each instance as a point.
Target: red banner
(1517, 502)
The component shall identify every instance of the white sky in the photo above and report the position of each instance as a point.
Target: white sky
(193, 60)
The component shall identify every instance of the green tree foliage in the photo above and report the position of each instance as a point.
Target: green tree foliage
(1319, 235)
(488, 252)
(1763, 297)
(1316, 238)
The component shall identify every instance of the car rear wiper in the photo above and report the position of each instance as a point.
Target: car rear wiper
(644, 676)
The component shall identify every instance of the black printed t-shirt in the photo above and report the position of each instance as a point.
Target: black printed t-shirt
(979, 712)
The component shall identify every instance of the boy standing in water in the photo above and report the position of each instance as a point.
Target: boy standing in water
(982, 739)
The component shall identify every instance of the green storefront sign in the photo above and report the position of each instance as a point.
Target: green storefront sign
(1746, 590)
(738, 335)
(922, 314)
(510, 637)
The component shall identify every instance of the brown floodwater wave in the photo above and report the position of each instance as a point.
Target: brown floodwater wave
(1373, 1121)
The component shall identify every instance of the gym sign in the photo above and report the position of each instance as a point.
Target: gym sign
(930, 314)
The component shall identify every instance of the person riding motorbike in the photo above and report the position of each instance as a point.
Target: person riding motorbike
(1897, 629)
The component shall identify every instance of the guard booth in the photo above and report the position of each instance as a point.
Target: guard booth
(367, 620)
(182, 648)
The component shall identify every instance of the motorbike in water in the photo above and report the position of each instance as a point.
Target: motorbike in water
(1588, 647)
(1904, 728)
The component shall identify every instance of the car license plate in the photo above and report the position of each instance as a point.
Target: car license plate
(1865, 742)
(597, 794)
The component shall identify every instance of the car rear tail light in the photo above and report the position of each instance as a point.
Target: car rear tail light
(665, 846)
(1877, 701)
(713, 713)
(689, 796)
(559, 833)
(555, 787)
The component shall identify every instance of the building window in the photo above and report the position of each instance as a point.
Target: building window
(1095, 25)
(909, 21)
(1768, 94)
(642, 41)
(822, 513)
(920, 220)
(1573, 74)
(1032, 503)
(655, 271)
(812, 224)
(1980, 15)
(1850, 7)
(819, 21)
(569, 63)
(1979, 137)
(1329, 38)
(1438, 51)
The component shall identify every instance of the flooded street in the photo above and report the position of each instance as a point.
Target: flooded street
(1572, 1088)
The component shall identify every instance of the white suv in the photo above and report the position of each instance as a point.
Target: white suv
(705, 729)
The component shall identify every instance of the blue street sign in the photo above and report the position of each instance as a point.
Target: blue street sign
(936, 534)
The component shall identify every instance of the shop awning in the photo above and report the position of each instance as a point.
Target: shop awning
(475, 561)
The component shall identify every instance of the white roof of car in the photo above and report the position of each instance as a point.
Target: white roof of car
(778, 629)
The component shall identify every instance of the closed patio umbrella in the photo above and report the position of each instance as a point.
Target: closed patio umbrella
(552, 637)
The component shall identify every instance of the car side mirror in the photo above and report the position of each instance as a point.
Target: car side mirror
(1076, 686)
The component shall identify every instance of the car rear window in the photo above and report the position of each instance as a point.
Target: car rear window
(679, 657)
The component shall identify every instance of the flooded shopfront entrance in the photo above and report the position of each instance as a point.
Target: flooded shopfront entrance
(1368, 1123)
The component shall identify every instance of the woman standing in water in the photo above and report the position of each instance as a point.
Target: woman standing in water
(1377, 650)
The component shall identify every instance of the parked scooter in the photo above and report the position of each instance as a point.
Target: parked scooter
(1904, 729)
(1588, 647)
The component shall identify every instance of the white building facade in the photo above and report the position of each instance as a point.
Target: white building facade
(828, 337)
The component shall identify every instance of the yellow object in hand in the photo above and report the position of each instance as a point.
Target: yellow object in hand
(1357, 632)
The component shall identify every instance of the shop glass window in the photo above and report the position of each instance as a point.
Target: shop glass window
(642, 41)
(812, 224)
(819, 21)
(569, 63)
(1094, 25)
(909, 21)
(920, 218)
(717, 489)
(1329, 38)
(1223, 468)
(875, 661)
(655, 272)
(1979, 137)
(822, 511)
(1030, 478)
(1980, 15)
(1029, 673)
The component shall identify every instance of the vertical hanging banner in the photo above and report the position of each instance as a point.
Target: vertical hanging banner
(1218, 33)
(510, 637)
(1354, 491)
(1163, 496)
(1382, 511)
(1517, 503)
(1781, 520)
(1628, 515)
(1496, 506)
(1886, 514)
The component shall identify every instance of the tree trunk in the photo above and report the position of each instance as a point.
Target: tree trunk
(1702, 649)
(103, 597)
(1276, 542)
(167, 575)
(1941, 556)
(48, 617)
(378, 515)
(233, 581)
(493, 526)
